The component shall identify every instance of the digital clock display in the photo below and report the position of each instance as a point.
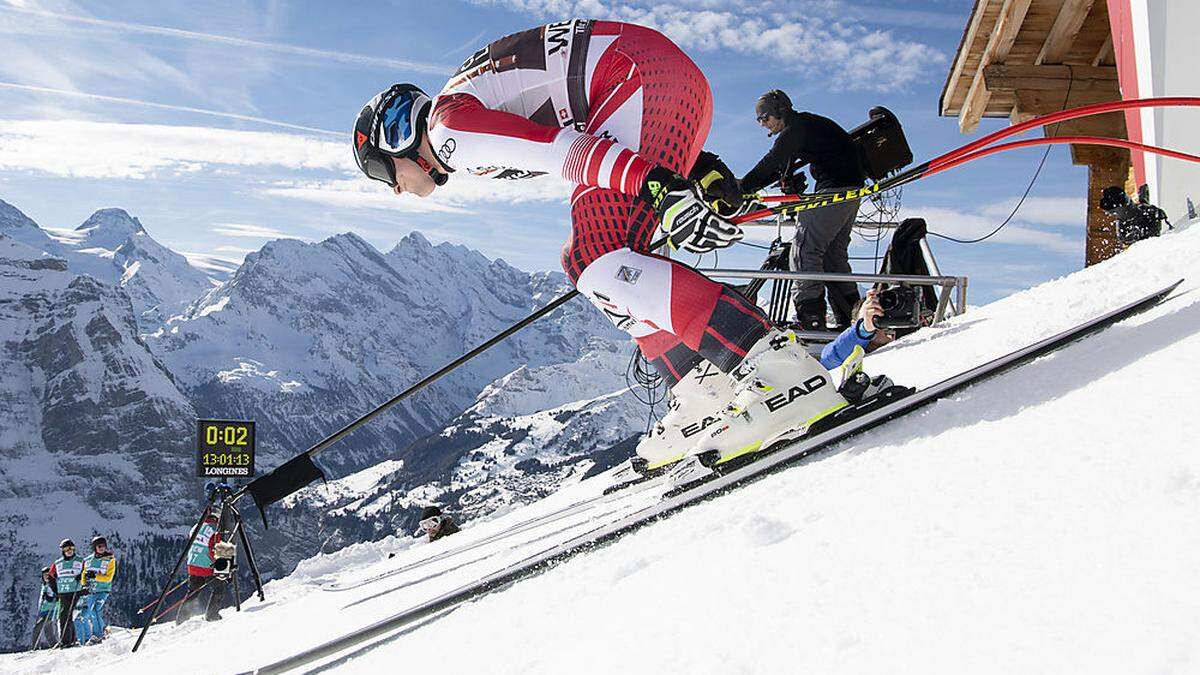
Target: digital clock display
(224, 448)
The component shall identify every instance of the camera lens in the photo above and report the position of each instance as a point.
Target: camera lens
(889, 300)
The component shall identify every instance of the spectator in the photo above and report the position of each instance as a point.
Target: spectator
(435, 524)
(44, 630)
(66, 576)
(99, 568)
(200, 560)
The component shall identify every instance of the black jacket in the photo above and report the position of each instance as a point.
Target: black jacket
(447, 528)
(818, 141)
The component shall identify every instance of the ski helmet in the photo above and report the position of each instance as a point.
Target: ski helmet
(65, 543)
(774, 103)
(45, 571)
(393, 124)
(97, 540)
(430, 511)
(210, 489)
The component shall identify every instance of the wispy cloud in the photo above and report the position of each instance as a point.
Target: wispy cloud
(108, 150)
(212, 264)
(474, 42)
(248, 231)
(165, 106)
(970, 224)
(460, 193)
(1063, 211)
(85, 149)
(839, 48)
(236, 249)
(293, 50)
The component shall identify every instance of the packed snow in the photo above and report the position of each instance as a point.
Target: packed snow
(1044, 521)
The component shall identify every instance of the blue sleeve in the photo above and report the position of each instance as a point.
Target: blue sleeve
(836, 352)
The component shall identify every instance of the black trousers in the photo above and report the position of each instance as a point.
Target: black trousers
(45, 632)
(197, 588)
(66, 614)
(822, 244)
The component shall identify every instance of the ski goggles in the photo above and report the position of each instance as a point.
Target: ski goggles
(398, 119)
(431, 523)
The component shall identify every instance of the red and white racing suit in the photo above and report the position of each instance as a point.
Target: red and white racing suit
(601, 103)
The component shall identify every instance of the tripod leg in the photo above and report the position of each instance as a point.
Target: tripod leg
(250, 557)
(237, 592)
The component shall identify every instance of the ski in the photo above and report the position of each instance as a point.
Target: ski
(714, 484)
(548, 535)
(611, 494)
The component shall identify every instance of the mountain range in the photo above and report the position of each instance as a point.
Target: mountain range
(114, 344)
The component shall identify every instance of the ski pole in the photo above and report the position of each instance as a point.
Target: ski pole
(784, 204)
(429, 379)
(173, 589)
(187, 596)
(37, 634)
(976, 150)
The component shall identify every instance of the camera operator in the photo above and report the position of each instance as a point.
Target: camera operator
(822, 235)
(861, 334)
(205, 558)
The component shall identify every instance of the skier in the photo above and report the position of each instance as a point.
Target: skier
(99, 568)
(44, 630)
(66, 576)
(201, 555)
(822, 235)
(621, 112)
(435, 524)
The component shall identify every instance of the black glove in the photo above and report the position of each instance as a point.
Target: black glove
(89, 575)
(719, 186)
(689, 221)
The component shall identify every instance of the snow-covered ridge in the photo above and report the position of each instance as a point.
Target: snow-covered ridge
(1042, 521)
(114, 248)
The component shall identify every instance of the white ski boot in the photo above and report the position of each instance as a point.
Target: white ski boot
(779, 391)
(695, 404)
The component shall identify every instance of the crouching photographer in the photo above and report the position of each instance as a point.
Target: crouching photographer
(209, 560)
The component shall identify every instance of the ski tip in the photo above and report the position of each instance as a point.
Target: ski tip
(1161, 295)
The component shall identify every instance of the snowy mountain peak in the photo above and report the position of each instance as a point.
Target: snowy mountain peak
(11, 218)
(21, 227)
(109, 228)
(414, 239)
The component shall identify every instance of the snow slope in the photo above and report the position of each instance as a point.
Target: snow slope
(1044, 521)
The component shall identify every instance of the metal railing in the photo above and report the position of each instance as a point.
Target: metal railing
(952, 297)
(950, 287)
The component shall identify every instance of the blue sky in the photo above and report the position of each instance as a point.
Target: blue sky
(222, 125)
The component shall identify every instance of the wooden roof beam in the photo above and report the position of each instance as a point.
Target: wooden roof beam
(1051, 78)
(960, 60)
(1067, 25)
(1008, 24)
